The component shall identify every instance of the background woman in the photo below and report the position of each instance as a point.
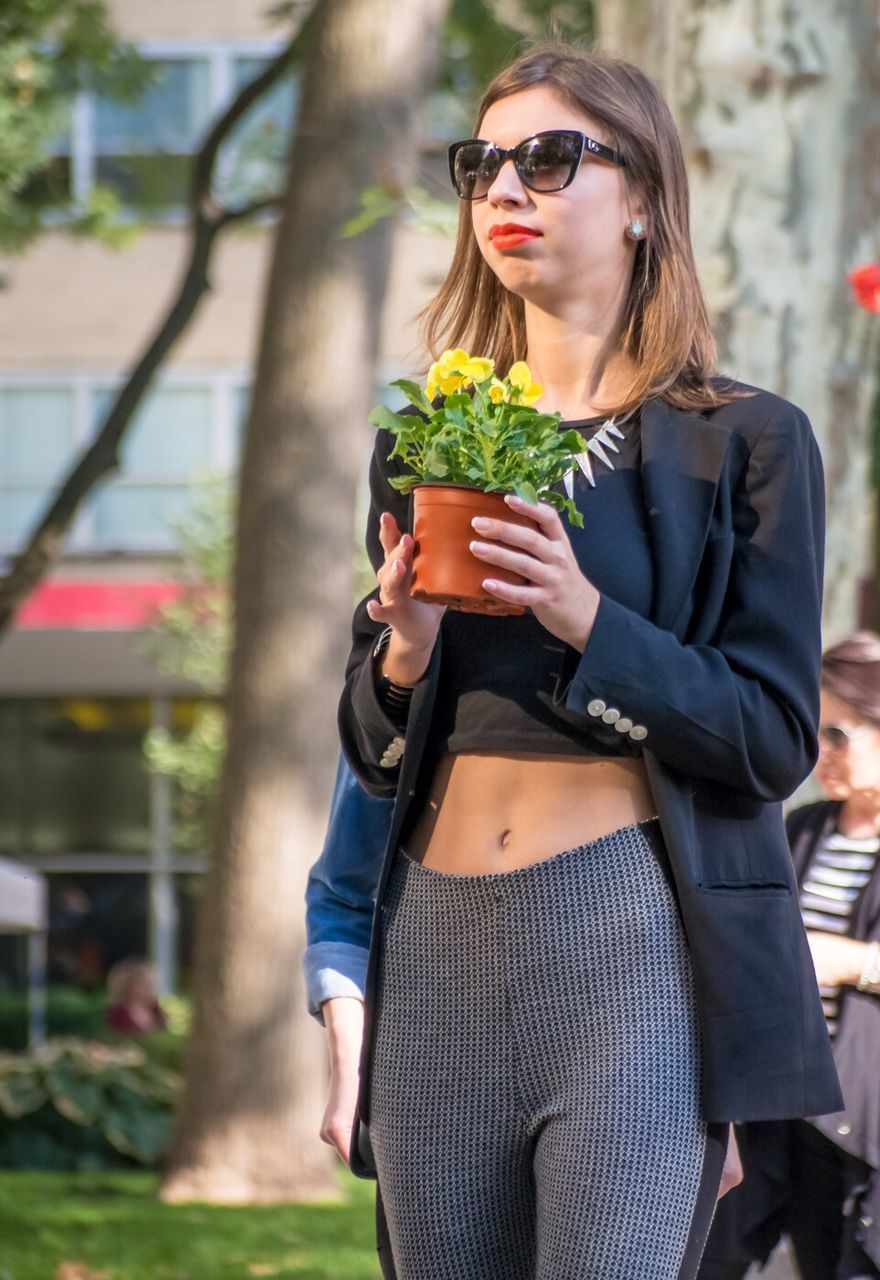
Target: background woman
(133, 1007)
(818, 1182)
(568, 997)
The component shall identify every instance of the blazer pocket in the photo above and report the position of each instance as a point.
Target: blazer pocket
(762, 888)
(750, 930)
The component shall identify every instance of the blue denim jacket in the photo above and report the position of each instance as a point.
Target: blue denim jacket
(341, 892)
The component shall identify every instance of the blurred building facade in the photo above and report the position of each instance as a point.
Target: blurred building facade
(76, 696)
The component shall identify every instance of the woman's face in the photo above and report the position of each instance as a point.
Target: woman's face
(580, 249)
(848, 765)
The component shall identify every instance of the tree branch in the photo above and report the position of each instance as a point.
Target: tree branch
(230, 216)
(101, 457)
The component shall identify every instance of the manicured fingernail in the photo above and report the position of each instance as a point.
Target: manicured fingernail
(477, 547)
(490, 584)
(480, 523)
(513, 500)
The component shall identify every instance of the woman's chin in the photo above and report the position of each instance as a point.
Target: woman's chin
(833, 786)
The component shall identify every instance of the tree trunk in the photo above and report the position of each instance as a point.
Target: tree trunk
(255, 1073)
(779, 107)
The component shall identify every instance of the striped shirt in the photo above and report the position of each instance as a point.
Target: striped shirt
(837, 873)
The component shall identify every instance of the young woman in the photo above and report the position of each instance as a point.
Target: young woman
(819, 1182)
(586, 936)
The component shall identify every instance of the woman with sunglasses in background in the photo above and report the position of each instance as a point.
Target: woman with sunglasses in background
(586, 939)
(819, 1182)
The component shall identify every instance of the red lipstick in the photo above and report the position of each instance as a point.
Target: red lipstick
(507, 235)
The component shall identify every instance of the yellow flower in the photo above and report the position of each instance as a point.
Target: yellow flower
(520, 375)
(456, 369)
(531, 393)
(452, 360)
(439, 383)
(445, 376)
(477, 369)
(497, 391)
(432, 384)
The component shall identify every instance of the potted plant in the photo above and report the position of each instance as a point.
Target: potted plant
(473, 439)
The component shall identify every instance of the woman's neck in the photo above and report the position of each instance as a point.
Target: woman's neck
(860, 815)
(576, 358)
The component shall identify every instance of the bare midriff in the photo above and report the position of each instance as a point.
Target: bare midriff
(487, 812)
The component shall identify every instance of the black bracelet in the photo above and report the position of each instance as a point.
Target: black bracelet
(394, 699)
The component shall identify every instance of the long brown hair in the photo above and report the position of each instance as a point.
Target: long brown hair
(666, 334)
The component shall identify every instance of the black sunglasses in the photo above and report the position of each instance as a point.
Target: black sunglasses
(545, 162)
(838, 738)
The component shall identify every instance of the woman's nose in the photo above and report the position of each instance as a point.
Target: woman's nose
(507, 187)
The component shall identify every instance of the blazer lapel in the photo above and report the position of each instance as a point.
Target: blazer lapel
(682, 458)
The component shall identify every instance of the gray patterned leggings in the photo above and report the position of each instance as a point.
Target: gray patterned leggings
(534, 1108)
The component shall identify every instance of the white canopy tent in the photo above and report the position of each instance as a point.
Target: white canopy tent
(24, 909)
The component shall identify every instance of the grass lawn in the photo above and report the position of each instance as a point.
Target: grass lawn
(103, 1226)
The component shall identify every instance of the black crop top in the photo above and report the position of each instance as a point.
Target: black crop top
(498, 676)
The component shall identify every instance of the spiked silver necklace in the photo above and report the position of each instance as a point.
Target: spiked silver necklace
(596, 445)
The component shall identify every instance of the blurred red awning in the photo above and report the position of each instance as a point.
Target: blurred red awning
(111, 604)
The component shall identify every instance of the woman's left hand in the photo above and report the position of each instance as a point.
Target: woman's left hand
(837, 961)
(558, 594)
(732, 1173)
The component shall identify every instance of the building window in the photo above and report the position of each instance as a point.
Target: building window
(187, 428)
(142, 150)
(169, 446)
(37, 440)
(251, 165)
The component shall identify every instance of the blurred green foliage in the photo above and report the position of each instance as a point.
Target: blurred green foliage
(76, 1104)
(192, 639)
(69, 1012)
(81, 1014)
(48, 50)
(482, 35)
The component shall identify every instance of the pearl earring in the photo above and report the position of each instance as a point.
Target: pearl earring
(635, 230)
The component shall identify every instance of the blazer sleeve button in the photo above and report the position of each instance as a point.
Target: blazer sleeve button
(611, 716)
(638, 732)
(392, 753)
(623, 725)
(596, 707)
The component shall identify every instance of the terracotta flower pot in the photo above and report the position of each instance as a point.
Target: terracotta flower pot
(445, 570)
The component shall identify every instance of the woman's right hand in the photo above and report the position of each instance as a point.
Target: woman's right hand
(338, 1119)
(344, 1020)
(415, 624)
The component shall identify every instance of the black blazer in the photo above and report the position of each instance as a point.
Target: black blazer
(724, 676)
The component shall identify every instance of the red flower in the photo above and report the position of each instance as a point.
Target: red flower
(865, 283)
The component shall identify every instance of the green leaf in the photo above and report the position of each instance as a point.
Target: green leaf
(527, 491)
(20, 1094)
(140, 1132)
(415, 394)
(75, 1095)
(382, 416)
(376, 202)
(460, 401)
